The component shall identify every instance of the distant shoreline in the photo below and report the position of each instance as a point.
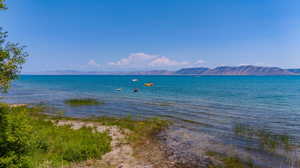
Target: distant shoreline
(197, 75)
(248, 70)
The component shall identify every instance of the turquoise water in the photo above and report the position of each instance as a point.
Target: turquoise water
(270, 101)
(202, 104)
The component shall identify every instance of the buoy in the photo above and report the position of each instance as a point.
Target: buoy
(148, 84)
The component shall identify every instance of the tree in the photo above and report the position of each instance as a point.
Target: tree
(2, 5)
(12, 57)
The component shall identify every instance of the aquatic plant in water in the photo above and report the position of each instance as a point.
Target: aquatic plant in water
(83, 102)
(269, 140)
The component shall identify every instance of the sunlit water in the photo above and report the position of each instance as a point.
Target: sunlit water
(211, 105)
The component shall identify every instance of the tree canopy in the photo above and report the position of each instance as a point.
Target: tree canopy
(12, 57)
(2, 5)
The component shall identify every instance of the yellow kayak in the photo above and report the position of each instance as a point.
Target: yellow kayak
(148, 84)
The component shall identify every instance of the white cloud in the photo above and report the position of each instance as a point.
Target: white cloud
(134, 59)
(256, 64)
(199, 62)
(93, 63)
(164, 61)
(244, 64)
(262, 64)
(137, 60)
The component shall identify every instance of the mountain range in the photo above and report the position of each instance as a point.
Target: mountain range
(245, 70)
(239, 70)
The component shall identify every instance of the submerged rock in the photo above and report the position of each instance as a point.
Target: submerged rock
(190, 149)
(180, 152)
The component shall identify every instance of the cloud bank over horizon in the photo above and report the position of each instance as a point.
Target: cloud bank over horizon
(143, 61)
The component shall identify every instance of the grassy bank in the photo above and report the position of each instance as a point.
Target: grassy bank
(28, 140)
(31, 139)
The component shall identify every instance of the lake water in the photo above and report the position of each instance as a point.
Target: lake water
(211, 105)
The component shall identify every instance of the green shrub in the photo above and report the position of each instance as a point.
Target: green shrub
(16, 137)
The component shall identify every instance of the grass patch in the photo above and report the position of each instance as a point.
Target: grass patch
(28, 140)
(83, 102)
(267, 139)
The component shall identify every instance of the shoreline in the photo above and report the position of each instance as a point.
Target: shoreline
(146, 143)
(124, 153)
(153, 152)
(133, 142)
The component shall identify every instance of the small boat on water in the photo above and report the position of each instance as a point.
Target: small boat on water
(118, 89)
(135, 90)
(148, 84)
(134, 80)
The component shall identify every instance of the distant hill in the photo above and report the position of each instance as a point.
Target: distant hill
(191, 71)
(73, 72)
(297, 71)
(236, 70)
(154, 72)
(222, 70)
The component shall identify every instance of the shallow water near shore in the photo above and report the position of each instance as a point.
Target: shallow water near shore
(198, 105)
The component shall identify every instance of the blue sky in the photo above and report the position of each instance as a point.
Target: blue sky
(123, 35)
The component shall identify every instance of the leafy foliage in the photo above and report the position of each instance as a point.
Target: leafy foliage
(16, 138)
(2, 5)
(12, 56)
